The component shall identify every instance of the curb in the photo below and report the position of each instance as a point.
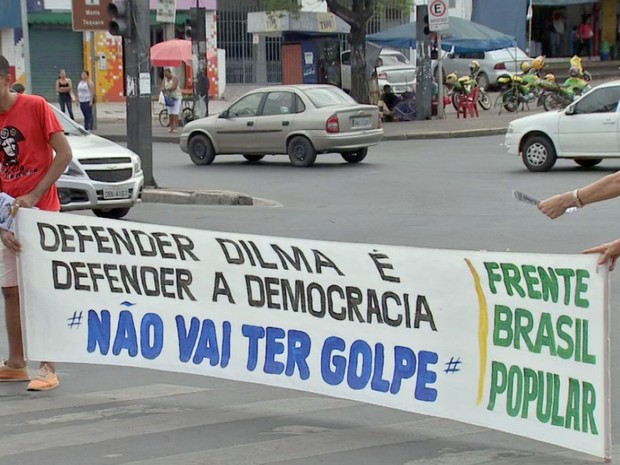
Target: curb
(388, 137)
(446, 134)
(198, 197)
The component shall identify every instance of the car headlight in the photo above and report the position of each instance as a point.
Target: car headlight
(137, 165)
(72, 170)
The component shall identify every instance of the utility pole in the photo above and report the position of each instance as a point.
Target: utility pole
(26, 45)
(424, 82)
(131, 21)
(199, 61)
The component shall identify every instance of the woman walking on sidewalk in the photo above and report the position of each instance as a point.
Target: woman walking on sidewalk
(86, 97)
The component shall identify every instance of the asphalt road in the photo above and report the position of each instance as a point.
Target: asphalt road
(452, 193)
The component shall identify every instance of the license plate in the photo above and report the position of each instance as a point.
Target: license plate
(360, 122)
(109, 194)
(399, 89)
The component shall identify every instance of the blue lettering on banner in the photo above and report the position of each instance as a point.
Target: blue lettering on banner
(202, 341)
(151, 335)
(297, 348)
(363, 366)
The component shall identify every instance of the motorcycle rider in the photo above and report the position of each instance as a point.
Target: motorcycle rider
(537, 65)
(583, 74)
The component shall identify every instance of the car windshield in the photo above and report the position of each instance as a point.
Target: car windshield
(328, 96)
(394, 60)
(70, 127)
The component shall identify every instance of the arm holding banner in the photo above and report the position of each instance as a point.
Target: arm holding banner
(604, 189)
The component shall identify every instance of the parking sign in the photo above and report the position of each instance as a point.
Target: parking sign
(438, 18)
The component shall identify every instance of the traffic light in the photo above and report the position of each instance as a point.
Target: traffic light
(188, 29)
(121, 18)
(427, 29)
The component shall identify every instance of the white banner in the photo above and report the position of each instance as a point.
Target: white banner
(514, 342)
(166, 11)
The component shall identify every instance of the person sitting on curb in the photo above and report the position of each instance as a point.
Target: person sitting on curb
(388, 101)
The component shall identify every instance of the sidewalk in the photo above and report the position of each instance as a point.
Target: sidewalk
(111, 123)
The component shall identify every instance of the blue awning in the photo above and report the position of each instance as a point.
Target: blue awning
(561, 2)
(465, 36)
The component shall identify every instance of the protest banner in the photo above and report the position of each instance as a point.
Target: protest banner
(511, 341)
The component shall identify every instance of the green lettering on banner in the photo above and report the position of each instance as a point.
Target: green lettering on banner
(549, 282)
(493, 277)
(565, 352)
(581, 288)
(531, 281)
(545, 396)
(567, 274)
(498, 382)
(572, 405)
(524, 323)
(545, 335)
(530, 381)
(588, 406)
(502, 324)
(515, 391)
(512, 276)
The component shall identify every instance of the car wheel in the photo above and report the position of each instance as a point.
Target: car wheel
(301, 152)
(538, 154)
(588, 162)
(111, 213)
(201, 150)
(164, 118)
(483, 81)
(254, 158)
(355, 157)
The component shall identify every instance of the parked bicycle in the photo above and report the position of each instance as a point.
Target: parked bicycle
(187, 112)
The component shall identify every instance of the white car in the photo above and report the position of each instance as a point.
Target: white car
(103, 176)
(587, 131)
(493, 64)
(394, 69)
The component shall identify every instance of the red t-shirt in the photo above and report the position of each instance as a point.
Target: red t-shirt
(25, 150)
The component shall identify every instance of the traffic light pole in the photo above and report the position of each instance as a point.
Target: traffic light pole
(424, 81)
(136, 48)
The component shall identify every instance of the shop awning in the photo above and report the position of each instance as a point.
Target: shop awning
(63, 18)
(561, 2)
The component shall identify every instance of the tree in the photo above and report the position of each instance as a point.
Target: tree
(357, 14)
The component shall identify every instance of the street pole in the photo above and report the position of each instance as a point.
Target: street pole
(424, 88)
(136, 49)
(199, 61)
(26, 45)
(93, 72)
(440, 107)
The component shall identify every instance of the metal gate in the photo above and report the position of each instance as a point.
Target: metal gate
(51, 50)
(241, 52)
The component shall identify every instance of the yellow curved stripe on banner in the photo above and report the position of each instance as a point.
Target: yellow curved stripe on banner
(483, 330)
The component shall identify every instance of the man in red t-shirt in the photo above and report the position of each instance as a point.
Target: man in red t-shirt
(30, 133)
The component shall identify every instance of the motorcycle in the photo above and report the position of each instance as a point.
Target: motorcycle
(465, 86)
(514, 92)
(560, 97)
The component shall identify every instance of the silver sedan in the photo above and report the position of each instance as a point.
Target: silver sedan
(299, 120)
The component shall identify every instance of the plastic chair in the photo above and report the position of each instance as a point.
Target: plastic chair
(468, 104)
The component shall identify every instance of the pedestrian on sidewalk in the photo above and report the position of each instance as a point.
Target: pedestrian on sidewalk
(172, 95)
(86, 97)
(605, 188)
(585, 35)
(64, 87)
(30, 133)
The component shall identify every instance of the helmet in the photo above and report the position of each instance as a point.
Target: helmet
(464, 79)
(538, 63)
(573, 71)
(474, 66)
(451, 78)
(526, 66)
(576, 61)
(550, 77)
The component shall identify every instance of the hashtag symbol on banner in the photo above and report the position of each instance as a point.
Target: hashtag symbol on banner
(453, 365)
(75, 321)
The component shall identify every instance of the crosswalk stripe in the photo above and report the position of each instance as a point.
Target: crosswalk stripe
(136, 393)
(312, 445)
(105, 430)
